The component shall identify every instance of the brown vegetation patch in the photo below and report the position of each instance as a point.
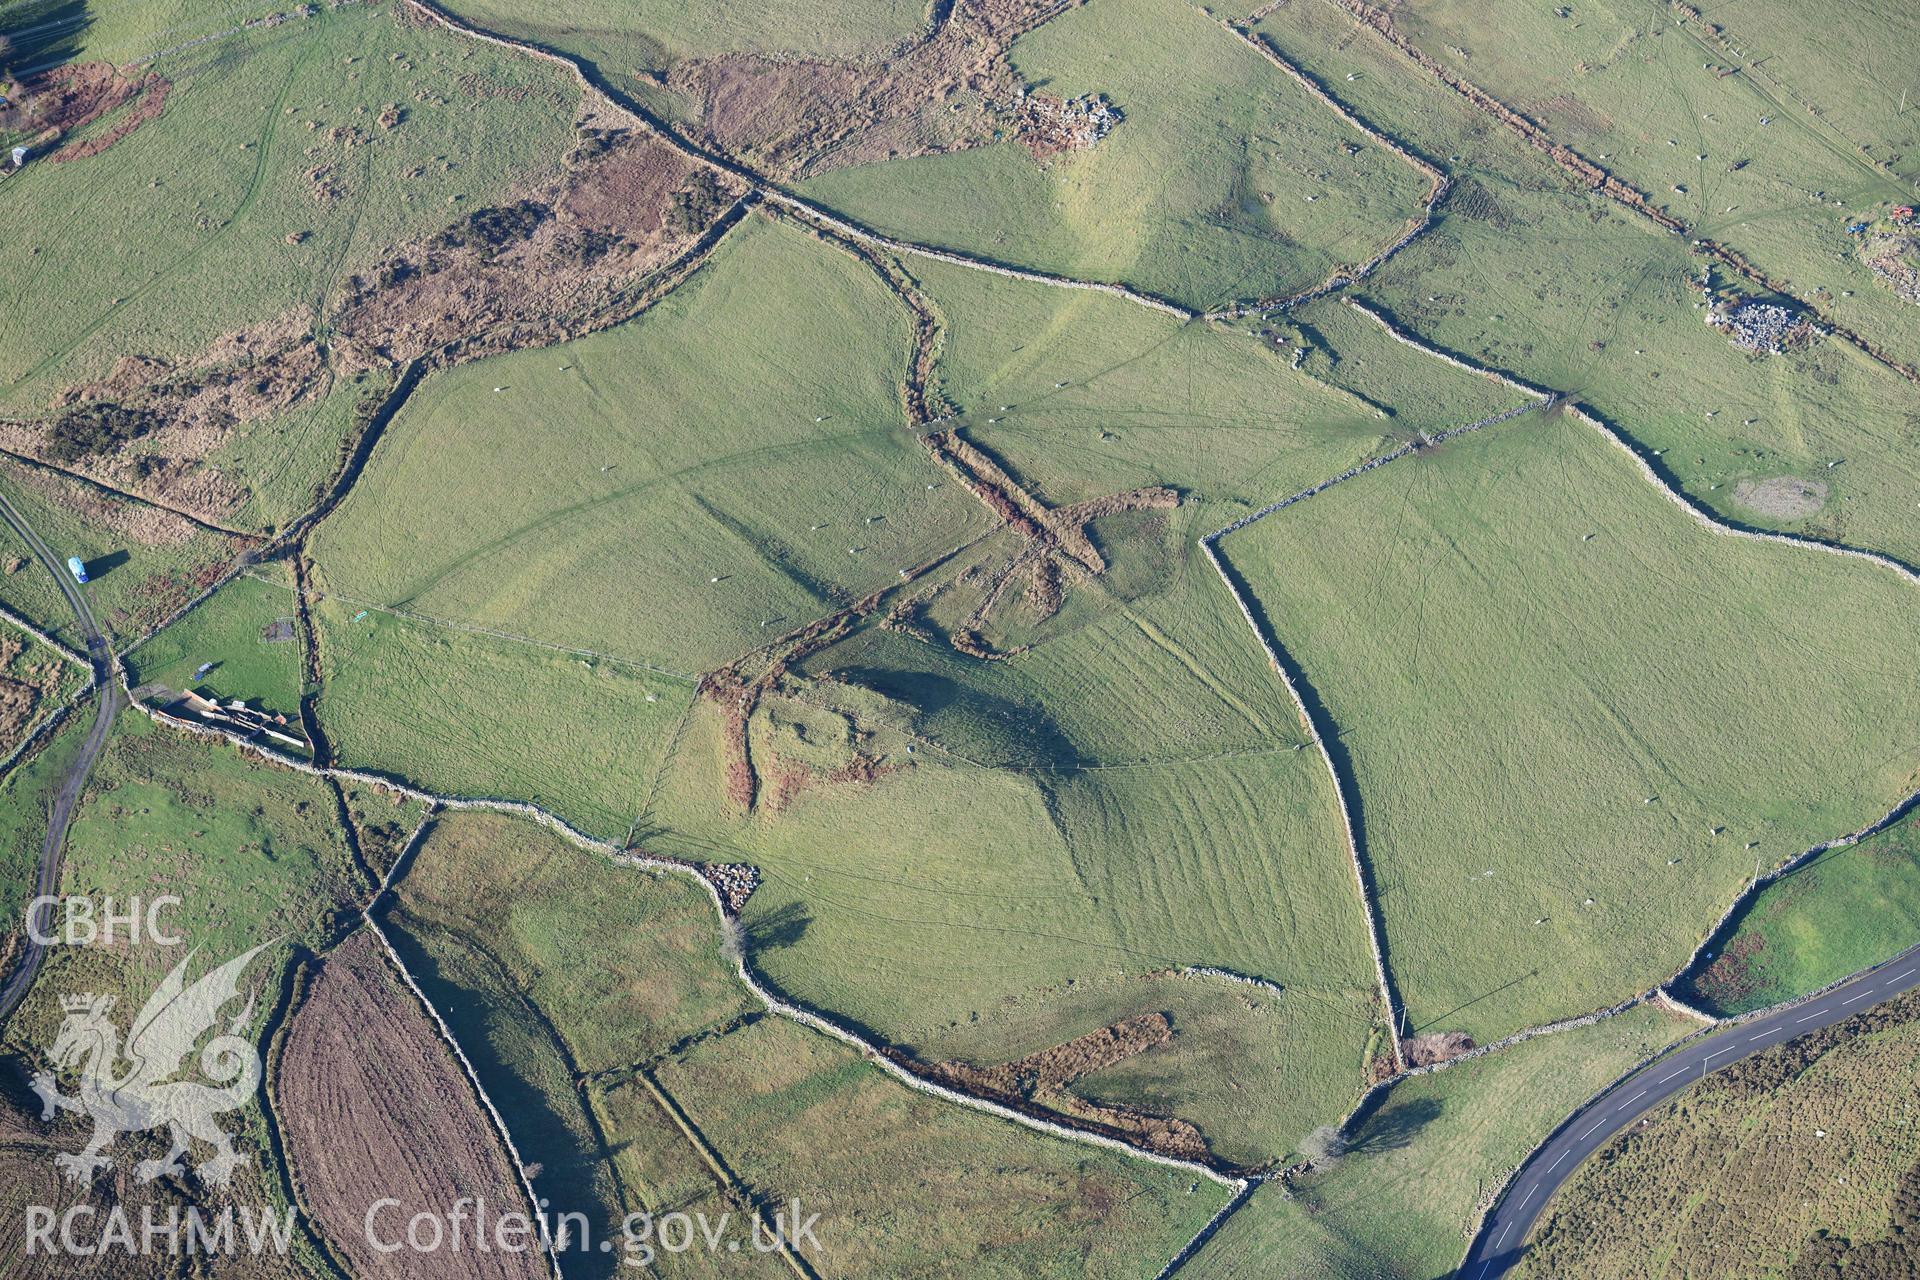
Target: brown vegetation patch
(1061, 1065)
(67, 99)
(1435, 1047)
(1038, 1084)
(1059, 550)
(953, 89)
(17, 702)
(29, 1177)
(1781, 497)
(148, 526)
(1797, 1161)
(562, 261)
(1043, 589)
(1049, 126)
(738, 693)
(1730, 979)
(374, 1106)
(575, 255)
(1765, 1072)
(1894, 259)
(149, 426)
(788, 779)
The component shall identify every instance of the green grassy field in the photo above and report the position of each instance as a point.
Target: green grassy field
(1397, 1204)
(464, 714)
(662, 1170)
(1746, 1172)
(494, 905)
(1849, 68)
(1214, 410)
(253, 856)
(1638, 89)
(622, 41)
(522, 1064)
(47, 33)
(252, 850)
(879, 906)
(1614, 321)
(651, 973)
(1151, 809)
(224, 176)
(803, 1117)
(28, 788)
(222, 172)
(490, 916)
(1224, 180)
(35, 681)
(747, 430)
(1845, 910)
(247, 630)
(1576, 719)
(142, 563)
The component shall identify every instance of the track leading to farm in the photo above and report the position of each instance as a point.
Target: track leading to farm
(108, 693)
(1502, 1237)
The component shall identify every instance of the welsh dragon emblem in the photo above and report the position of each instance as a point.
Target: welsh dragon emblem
(145, 1095)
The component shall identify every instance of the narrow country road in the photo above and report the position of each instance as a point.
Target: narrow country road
(1501, 1241)
(109, 699)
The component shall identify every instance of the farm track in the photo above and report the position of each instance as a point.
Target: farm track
(262, 147)
(108, 684)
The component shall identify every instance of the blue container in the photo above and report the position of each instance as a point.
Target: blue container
(79, 568)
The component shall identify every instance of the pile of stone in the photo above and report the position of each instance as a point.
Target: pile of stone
(1050, 125)
(733, 881)
(1759, 327)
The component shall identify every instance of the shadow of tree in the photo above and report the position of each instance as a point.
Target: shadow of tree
(1394, 1127)
(42, 36)
(781, 927)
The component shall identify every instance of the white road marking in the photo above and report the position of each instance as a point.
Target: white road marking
(1902, 977)
(1637, 1096)
(1557, 1163)
(1856, 999)
(1682, 1071)
(1596, 1128)
(1530, 1194)
(1809, 1018)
